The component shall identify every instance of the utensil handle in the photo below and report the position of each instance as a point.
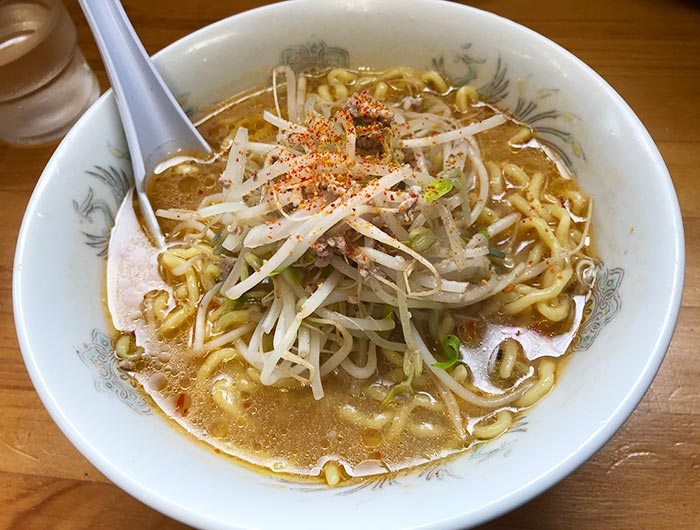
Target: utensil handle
(154, 123)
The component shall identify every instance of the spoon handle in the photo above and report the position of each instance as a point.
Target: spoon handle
(154, 124)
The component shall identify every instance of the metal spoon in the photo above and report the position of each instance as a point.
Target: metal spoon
(155, 126)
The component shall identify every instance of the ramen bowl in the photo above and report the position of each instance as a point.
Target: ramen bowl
(60, 265)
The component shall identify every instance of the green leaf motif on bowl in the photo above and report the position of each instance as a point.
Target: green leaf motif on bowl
(97, 210)
(526, 104)
(602, 307)
(314, 55)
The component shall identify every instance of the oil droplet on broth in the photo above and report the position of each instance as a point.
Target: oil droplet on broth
(185, 383)
(219, 430)
(372, 438)
(188, 185)
(157, 382)
(164, 357)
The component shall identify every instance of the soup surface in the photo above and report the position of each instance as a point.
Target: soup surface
(374, 270)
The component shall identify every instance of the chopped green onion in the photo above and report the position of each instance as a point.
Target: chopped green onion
(396, 390)
(244, 270)
(437, 188)
(388, 312)
(123, 349)
(232, 304)
(218, 238)
(226, 305)
(421, 239)
(450, 348)
(252, 260)
(300, 303)
(484, 231)
(230, 318)
(495, 253)
(447, 324)
(255, 295)
(276, 272)
(292, 275)
(453, 174)
(217, 243)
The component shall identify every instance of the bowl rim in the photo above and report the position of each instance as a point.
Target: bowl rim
(504, 504)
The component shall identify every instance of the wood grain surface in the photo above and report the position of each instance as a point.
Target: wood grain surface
(646, 477)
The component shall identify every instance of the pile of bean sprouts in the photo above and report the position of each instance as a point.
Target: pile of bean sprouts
(362, 221)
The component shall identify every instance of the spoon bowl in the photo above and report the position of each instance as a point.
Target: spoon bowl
(155, 125)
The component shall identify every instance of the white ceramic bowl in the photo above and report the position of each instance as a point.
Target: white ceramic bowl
(58, 279)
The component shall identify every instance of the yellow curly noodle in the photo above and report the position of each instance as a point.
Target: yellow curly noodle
(326, 280)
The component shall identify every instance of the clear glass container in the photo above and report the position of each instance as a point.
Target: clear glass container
(45, 82)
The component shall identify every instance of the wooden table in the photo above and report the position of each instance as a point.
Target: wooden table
(646, 477)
